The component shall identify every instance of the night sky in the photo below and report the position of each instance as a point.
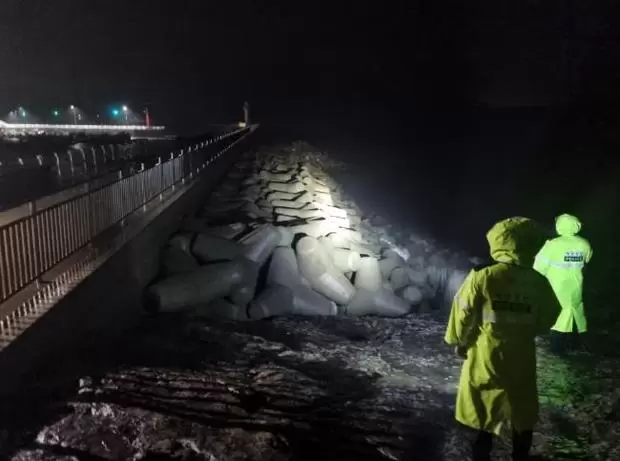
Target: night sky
(199, 60)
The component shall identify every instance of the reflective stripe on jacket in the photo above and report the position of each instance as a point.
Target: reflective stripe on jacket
(562, 260)
(496, 314)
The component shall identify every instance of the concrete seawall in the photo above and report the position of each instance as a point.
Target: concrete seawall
(77, 331)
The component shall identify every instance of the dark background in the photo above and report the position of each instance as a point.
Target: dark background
(452, 114)
(199, 60)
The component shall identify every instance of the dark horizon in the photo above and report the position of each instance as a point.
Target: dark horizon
(198, 61)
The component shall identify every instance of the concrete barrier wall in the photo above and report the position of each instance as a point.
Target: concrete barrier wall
(75, 334)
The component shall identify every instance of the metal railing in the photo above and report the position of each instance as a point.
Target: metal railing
(37, 236)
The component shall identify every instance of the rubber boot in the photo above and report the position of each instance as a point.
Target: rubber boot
(482, 446)
(521, 445)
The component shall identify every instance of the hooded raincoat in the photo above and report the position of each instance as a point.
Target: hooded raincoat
(496, 315)
(562, 260)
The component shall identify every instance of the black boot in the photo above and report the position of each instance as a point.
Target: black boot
(559, 343)
(521, 445)
(481, 447)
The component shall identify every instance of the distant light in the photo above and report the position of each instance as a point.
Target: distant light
(125, 108)
(72, 107)
(115, 112)
(242, 124)
(56, 112)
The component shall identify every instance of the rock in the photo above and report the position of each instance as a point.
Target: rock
(346, 260)
(286, 236)
(207, 248)
(275, 300)
(175, 261)
(182, 241)
(399, 278)
(228, 231)
(392, 253)
(262, 244)
(379, 302)
(310, 303)
(283, 268)
(410, 294)
(387, 286)
(368, 276)
(290, 188)
(338, 240)
(417, 277)
(243, 292)
(186, 290)
(222, 309)
(386, 266)
(316, 267)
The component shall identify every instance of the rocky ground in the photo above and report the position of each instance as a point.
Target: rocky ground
(331, 388)
(321, 388)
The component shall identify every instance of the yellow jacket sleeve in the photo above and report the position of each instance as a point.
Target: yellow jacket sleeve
(590, 254)
(541, 263)
(548, 310)
(466, 314)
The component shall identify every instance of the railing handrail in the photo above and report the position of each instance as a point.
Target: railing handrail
(40, 234)
(59, 197)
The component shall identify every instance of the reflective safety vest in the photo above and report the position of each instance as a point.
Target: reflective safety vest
(562, 260)
(496, 314)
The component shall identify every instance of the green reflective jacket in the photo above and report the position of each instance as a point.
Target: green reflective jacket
(562, 260)
(496, 314)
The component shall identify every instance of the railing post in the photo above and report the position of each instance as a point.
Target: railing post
(32, 208)
(143, 182)
(89, 216)
(70, 154)
(84, 160)
(58, 164)
(161, 176)
(92, 150)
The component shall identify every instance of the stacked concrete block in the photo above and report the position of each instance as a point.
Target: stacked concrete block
(279, 237)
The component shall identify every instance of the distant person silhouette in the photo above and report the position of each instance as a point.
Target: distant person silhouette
(562, 260)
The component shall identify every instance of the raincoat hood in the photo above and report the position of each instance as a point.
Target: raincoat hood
(515, 240)
(567, 224)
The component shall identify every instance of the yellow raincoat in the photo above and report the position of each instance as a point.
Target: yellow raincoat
(562, 260)
(496, 314)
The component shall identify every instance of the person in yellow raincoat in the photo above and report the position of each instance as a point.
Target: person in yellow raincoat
(495, 317)
(562, 260)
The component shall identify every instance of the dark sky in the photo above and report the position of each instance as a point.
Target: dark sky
(200, 59)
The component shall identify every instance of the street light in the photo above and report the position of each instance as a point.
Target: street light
(126, 112)
(73, 109)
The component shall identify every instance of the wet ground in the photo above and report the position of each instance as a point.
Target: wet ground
(303, 389)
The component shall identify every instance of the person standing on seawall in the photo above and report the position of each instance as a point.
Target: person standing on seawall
(562, 260)
(495, 317)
